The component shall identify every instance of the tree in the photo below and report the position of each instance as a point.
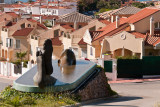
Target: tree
(21, 55)
(139, 5)
(30, 1)
(102, 4)
(151, 4)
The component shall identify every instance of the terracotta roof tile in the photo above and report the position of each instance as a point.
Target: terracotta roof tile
(141, 15)
(81, 42)
(23, 32)
(124, 10)
(39, 24)
(42, 26)
(138, 35)
(56, 7)
(153, 40)
(74, 17)
(50, 17)
(123, 21)
(110, 28)
(94, 34)
(56, 41)
(13, 14)
(67, 26)
(104, 21)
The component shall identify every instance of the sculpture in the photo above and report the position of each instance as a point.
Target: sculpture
(67, 62)
(67, 58)
(44, 65)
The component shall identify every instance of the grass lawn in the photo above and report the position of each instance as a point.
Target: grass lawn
(13, 98)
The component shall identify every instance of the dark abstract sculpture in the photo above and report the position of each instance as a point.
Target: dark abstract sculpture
(67, 58)
(44, 65)
(67, 61)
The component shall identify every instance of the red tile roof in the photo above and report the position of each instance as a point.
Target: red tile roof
(56, 41)
(110, 28)
(23, 32)
(152, 40)
(51, 17)
(39, 24)
(95, 34)
(13, 14)
(141, 15)
(138, 35)
(42, 26)
(104, 21)
(15, 6)
(81, 42)
(67, 27)
(123, 22)
(56, 7)
(31, 20)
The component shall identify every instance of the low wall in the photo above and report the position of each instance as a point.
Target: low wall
(9, 69)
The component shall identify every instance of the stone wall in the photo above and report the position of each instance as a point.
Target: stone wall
(96, 88)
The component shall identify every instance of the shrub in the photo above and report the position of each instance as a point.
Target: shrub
(12, 97)
(127, 57)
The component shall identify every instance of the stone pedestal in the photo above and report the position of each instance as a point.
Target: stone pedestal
(96, 88)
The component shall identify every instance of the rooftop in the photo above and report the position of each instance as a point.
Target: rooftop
(74, 17)
(124, 22)
(81, 42)
(121, 11)
(23, 32)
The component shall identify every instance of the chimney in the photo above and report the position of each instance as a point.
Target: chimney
(75, 25)
(151, 26)
(112, 19)
(40, 19)
(53, 22)
(117, 21)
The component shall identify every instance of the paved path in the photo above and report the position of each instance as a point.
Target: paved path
(4, 82)
(140, 94)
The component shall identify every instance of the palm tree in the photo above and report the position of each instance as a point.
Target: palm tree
(21, 55)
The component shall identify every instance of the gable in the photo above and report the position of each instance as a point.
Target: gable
(126, 40)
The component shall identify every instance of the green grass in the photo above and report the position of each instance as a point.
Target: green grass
(13, 98)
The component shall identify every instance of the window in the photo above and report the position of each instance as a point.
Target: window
(157, 25)
(71, 26)
(5, 30)
(56, 33)
(62, 33)
(36, 38)
(29, 25)
(69, 36)
(65, 35)
(80, 26)
(32, 37)
(23, 25)
(17, 44)
(91, 51)
(2, 29)
(9, 42)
